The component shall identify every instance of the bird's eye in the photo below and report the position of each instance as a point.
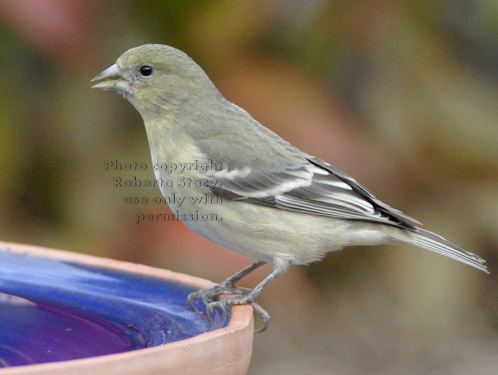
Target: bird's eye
(146, 70)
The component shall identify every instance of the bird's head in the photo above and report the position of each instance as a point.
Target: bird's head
(155, 78)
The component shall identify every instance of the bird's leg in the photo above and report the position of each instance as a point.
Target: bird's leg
(245, 298)
(225, 287)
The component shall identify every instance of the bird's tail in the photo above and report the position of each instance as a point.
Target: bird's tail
(433, 242)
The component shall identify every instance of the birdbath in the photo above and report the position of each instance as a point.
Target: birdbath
(66, 313)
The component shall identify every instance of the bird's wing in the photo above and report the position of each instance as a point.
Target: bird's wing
(288, 179)
(313, 187)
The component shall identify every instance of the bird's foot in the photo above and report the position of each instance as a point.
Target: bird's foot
(208, 295)
(212, 298)
(224, 303)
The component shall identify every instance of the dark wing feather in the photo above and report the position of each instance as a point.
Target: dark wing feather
(313, 187)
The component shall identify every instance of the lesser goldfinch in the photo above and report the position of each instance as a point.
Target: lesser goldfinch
(267, 199)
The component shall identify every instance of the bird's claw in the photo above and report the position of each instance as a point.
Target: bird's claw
(191, 299)
(265, 316)
(224, 303)
(207, 295)
(211, 306)
(223, 296)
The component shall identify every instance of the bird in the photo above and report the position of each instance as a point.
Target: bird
(257, 194)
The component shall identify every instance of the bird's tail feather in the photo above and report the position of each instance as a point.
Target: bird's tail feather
(433, 242)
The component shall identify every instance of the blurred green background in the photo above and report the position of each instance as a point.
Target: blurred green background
(400, 94)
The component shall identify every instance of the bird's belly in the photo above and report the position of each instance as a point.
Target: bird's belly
(261, 232)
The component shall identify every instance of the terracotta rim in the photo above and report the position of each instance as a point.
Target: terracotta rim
(241, 323)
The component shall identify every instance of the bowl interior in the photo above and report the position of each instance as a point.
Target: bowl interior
(56, 310)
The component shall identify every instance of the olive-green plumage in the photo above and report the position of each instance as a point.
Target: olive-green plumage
(278, 204)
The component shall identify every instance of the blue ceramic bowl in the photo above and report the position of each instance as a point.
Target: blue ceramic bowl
(56, 310)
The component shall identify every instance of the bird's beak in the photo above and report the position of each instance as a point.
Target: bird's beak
(112, 80)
